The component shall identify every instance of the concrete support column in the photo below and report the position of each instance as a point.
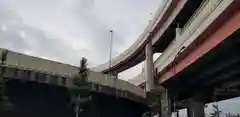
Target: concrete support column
(149, 70)
(177, 30)
(196, 108)
(115, 74)
(165, 104)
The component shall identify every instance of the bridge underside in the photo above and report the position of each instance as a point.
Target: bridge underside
(180, 21)
(215, 76)
(168, 36)
(31, 99)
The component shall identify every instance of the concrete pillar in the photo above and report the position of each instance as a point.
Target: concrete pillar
(149, 70)
(177, 31)
(115, 74)
(196, 108)
(165, 104)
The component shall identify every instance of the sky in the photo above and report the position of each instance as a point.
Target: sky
(66, 30)
(226, 106)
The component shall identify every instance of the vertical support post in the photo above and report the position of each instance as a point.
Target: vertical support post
(166, 104)
(149, 71)
(196, 108)
(115, 74)
(177, 30)
(177, 113)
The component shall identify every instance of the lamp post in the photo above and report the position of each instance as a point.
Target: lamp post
(110, 59)
(110, 51)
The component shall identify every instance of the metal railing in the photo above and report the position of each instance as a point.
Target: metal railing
(190, 28)
(196, 13)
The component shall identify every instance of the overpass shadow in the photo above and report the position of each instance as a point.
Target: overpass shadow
(30, 99)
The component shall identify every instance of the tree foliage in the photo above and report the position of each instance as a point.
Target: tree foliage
(154, 102)
(4, 56)
(3, 81)
(80, 94)
(154, 99)
(4, 100)
(80, 79)
(232, 115)
(216, 111)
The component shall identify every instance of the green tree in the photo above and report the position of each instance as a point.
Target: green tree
(232, 115)
(216, 111)
(4, 101)
(154, 102)
(80, 94)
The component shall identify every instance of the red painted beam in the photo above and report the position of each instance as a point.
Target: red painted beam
(226, 28)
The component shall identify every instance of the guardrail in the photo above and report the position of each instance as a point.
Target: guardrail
(192, 18)
(116, 83)
(171, 52)
(138, 80)
(203, 17)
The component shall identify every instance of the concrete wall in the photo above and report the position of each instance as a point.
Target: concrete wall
(50, 67)
(139, 79)
(38, 64)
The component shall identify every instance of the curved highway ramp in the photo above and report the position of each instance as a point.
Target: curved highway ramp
(39, 87)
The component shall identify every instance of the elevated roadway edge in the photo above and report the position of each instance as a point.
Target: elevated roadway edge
(62, 75)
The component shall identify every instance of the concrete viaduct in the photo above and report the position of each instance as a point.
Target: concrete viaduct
(39, 87)
(199, 63)
(199, 42)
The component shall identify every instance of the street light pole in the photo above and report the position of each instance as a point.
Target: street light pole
(110, 51)
(110, 60)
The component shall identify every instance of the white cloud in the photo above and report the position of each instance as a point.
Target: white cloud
(4, 28)
(65, 30)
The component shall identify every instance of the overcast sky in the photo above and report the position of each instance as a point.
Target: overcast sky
(226, 106)
(66, 30)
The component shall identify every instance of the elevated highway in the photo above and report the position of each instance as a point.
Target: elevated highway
(199, 63)
(200, 22)
(169, 21)
(63, 73)
(27, 73)
(136, 52)
(195, 37)
(210, 45)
